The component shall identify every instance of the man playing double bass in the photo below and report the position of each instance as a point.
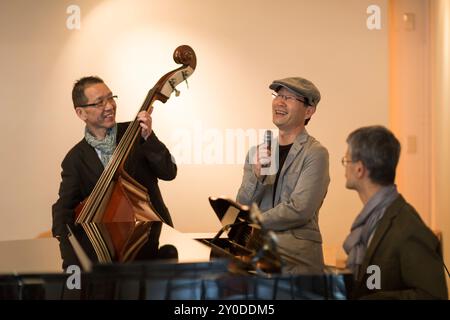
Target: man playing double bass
(149, 161)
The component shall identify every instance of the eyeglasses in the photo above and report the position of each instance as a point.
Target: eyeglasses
(286, 98)
(345, 161)
(100, 104)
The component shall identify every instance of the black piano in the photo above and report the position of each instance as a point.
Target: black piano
(152, 261)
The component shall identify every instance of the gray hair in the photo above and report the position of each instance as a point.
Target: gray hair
(378, 149)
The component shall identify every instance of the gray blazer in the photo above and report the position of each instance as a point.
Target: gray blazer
(301, 189)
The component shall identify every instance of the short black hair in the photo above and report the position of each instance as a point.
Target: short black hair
(378, 149)
(78, 97)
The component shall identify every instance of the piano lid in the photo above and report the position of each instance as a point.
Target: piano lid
(30, 256)
(123, 242)
(119, 242)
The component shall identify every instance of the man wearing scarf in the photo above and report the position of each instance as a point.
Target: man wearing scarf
(149, 161)
(388, 233)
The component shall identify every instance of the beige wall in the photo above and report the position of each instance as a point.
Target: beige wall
(410, 111)
(419, 113)
(241, 47)
(440, 37)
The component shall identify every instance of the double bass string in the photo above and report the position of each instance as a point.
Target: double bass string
(101, 187)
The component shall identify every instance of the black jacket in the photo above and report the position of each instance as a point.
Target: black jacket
(408, 255)
(149, 161)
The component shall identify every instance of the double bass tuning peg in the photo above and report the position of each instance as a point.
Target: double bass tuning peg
(185, 76)
(172, 84)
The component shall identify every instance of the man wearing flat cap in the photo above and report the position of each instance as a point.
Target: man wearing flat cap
(291, 194)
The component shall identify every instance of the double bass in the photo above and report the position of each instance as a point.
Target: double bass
(117, 197)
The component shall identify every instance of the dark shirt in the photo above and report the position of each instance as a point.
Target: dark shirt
(282, 155)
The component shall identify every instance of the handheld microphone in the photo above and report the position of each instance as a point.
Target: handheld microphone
(268, 143)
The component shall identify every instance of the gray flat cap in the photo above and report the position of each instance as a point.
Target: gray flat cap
(299, 86)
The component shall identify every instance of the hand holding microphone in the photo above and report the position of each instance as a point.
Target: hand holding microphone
(263, 154)
(265, 150)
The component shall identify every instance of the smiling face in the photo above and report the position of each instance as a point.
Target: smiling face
(98, 119)
(289, 114)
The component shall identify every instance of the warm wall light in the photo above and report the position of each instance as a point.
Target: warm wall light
(409, 21)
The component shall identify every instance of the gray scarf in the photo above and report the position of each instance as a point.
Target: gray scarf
(106, 146)
(355, 245)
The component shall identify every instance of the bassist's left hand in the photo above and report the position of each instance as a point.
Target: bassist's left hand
(145, 121)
